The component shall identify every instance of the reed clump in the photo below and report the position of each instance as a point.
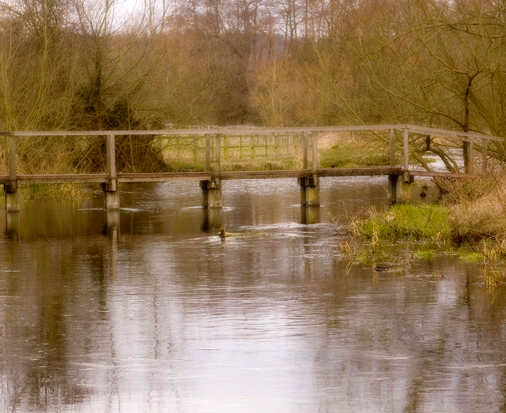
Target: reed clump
(479, 211)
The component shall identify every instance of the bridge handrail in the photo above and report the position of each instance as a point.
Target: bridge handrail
(245, 131)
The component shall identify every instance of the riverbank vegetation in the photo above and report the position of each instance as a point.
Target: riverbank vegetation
(470, 220)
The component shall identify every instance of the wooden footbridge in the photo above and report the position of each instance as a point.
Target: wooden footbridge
(213, 148)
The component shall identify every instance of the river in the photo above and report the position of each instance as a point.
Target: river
(158, 314)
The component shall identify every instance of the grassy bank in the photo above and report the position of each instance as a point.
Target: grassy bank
(416, 222)
(474, 227)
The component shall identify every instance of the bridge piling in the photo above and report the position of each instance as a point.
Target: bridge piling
(392, 188)
(309, 191)
(211, 194)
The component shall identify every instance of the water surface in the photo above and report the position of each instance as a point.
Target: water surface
(155, 313)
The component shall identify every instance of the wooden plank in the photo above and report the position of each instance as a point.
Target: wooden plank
(445, 132)
(365, 171)
(228, 175)
(232, 175)
(63, 178)
(236, 131)
(164, 176)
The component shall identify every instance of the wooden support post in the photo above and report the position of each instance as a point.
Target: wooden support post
(266, 143)
(252, 143)
(392, 187)
(195, 149)
(466, 149)
(217, 150)
(111, 187)
(392, 179)
(111, 163)
(304, 150)
(315, 152)
(405, 146)
(484, 156)
(208, 153)
(12, 200)
(392, 148)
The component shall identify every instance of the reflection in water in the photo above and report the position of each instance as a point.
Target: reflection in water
(12, 226)
(157, 314)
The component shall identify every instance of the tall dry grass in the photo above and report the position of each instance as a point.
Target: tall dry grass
(478, 209)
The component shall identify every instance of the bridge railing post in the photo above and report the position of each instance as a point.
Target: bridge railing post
(111, 186)
(315, 152)
(304, 150)
(484, 156)
(468, 148)
(392, 179)
(405, 156)
(208, 153)
(466, 154)
(217, 150)
(392, 148)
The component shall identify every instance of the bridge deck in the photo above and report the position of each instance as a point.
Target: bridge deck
(224, 175)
